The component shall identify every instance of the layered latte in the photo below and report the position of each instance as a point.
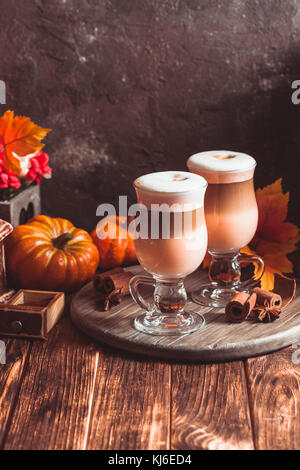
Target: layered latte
(230, 205)
(175, 240)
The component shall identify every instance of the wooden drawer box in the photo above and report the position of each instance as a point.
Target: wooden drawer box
(31, 314)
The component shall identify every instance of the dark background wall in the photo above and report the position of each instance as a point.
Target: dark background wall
(135, 86)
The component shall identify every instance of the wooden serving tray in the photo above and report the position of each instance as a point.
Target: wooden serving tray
(217, 341)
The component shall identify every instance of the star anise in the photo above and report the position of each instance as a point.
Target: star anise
(267, 314)
(111, 299)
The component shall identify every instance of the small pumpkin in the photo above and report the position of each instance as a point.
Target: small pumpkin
(50, 254)
(117, 248)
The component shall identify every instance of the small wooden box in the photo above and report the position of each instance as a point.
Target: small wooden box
(30, 313)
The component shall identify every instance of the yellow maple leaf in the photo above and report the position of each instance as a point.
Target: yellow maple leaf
(20, 136)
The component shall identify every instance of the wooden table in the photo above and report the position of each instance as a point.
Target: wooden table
(72, 393)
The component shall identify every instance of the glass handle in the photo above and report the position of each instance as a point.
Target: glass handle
(255, 259)
(134, 290)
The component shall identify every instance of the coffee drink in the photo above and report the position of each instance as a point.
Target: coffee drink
(230, 205)
(175, 240)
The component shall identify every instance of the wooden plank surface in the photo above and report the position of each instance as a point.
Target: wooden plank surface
(54, 403)
(210, 407)
(69, 393)
(131, 404)
(218, 340)
(10, 379)
(274, 396)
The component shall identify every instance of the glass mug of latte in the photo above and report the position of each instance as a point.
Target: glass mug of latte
(171, 244)
(231, 215)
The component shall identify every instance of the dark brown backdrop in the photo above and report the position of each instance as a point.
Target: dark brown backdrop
(135, 86)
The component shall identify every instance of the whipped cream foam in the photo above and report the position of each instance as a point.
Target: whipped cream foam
(171, 187)
(222, 166)
(170, 182)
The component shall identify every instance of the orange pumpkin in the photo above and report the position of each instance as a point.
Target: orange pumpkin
(50, 254)
(114, 242)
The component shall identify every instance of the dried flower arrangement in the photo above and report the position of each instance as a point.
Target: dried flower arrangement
(22, 161)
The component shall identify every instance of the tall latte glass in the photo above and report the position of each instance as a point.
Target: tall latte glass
(170, 243)
(231, 215)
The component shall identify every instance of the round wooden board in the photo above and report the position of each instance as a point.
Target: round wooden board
(217, 341)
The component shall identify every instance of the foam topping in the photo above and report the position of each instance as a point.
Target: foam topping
(170, 182)
(221, 161)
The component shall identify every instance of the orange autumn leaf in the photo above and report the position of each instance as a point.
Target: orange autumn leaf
(276, 261)
(273, 208)
(20, 136)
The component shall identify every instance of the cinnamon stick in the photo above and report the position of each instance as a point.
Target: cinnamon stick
(267, 298)
(99, 278)
(266, 305)
(111, 286)
(270, 304)
(240, 306)
(116, 281)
